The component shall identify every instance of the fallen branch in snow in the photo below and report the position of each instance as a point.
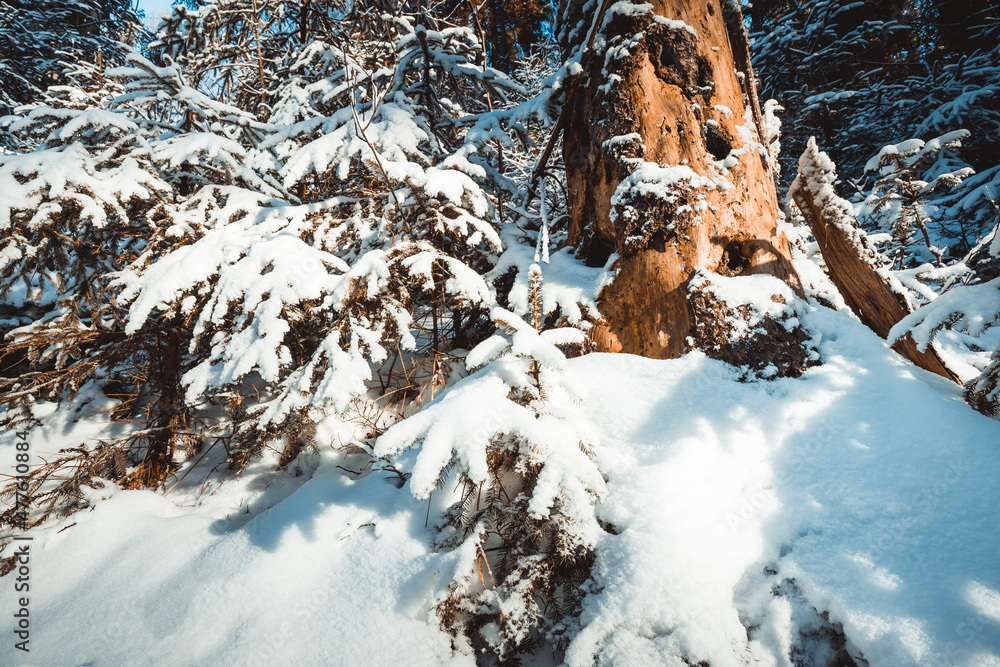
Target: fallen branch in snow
(851, 261)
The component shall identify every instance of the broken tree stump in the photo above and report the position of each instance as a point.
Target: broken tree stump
(665, 167)
(852, 261)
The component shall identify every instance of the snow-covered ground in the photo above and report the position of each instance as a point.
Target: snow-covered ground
(753, 520)
(866, 487)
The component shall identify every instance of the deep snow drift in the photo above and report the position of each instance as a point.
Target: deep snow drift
(866, 490)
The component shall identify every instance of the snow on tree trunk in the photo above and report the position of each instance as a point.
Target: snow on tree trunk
(666, 169)
(867, 286)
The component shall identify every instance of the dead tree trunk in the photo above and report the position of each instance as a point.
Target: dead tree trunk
(665, 167)
(851, 260)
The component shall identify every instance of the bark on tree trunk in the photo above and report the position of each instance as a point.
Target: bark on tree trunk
(663, 168)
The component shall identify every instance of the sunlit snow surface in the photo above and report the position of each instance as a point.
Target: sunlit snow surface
(867, 482)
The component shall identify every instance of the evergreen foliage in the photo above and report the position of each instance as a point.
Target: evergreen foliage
(861, 75)
(42, 42)
(520, 538)
(282, 213)
(276, 212)
(899, 196)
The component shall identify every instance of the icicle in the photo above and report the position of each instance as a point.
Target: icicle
(542, 247)
(545, 242)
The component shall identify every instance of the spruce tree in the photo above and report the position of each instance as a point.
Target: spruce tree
(41, 43)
